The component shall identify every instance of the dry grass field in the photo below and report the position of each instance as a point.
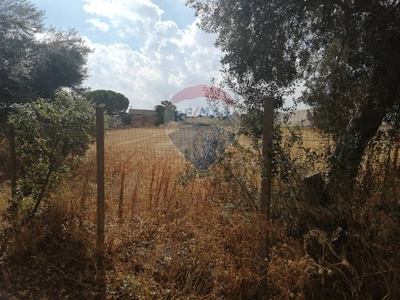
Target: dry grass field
(172, 233)
(163, 240)
(150, 140)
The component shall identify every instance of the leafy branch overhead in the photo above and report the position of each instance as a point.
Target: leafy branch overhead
(36, 62)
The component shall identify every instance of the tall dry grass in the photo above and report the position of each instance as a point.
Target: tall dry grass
(175, 233)
(164, 240)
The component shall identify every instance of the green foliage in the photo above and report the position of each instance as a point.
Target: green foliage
(126, 118)
(50, 136)
(165, 112)
(347, 52)
(353, 88)
(32, 67)
(59, 61)
(111, 122)
(348, 236)
(114, 103)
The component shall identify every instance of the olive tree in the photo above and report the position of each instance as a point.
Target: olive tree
(346, 52)
(50, 136)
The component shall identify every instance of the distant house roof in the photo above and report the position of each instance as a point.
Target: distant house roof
(142, 112)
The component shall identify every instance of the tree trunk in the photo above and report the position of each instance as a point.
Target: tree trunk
(347, 157)
(42, 191)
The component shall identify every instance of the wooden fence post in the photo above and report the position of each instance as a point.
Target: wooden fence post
(100, 180)
(13, 161)
(268, 127)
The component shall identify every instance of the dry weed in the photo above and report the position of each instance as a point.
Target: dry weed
(169, 238)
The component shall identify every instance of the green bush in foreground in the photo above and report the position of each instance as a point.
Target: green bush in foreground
(49, 138)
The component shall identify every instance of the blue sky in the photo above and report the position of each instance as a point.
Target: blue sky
(147, 50)
(64, 14)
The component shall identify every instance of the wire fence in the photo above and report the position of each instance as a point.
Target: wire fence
(143, 170)
(144, 174)
(201, 146)
(142, 150)
(143, 163)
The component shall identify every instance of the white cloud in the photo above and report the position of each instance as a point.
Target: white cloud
(128, 17)
(97, 24)
(169, 58)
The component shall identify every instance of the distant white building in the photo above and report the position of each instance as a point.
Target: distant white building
(299, 117)
(142, 112)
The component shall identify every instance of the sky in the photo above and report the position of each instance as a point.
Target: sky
(147, 50)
